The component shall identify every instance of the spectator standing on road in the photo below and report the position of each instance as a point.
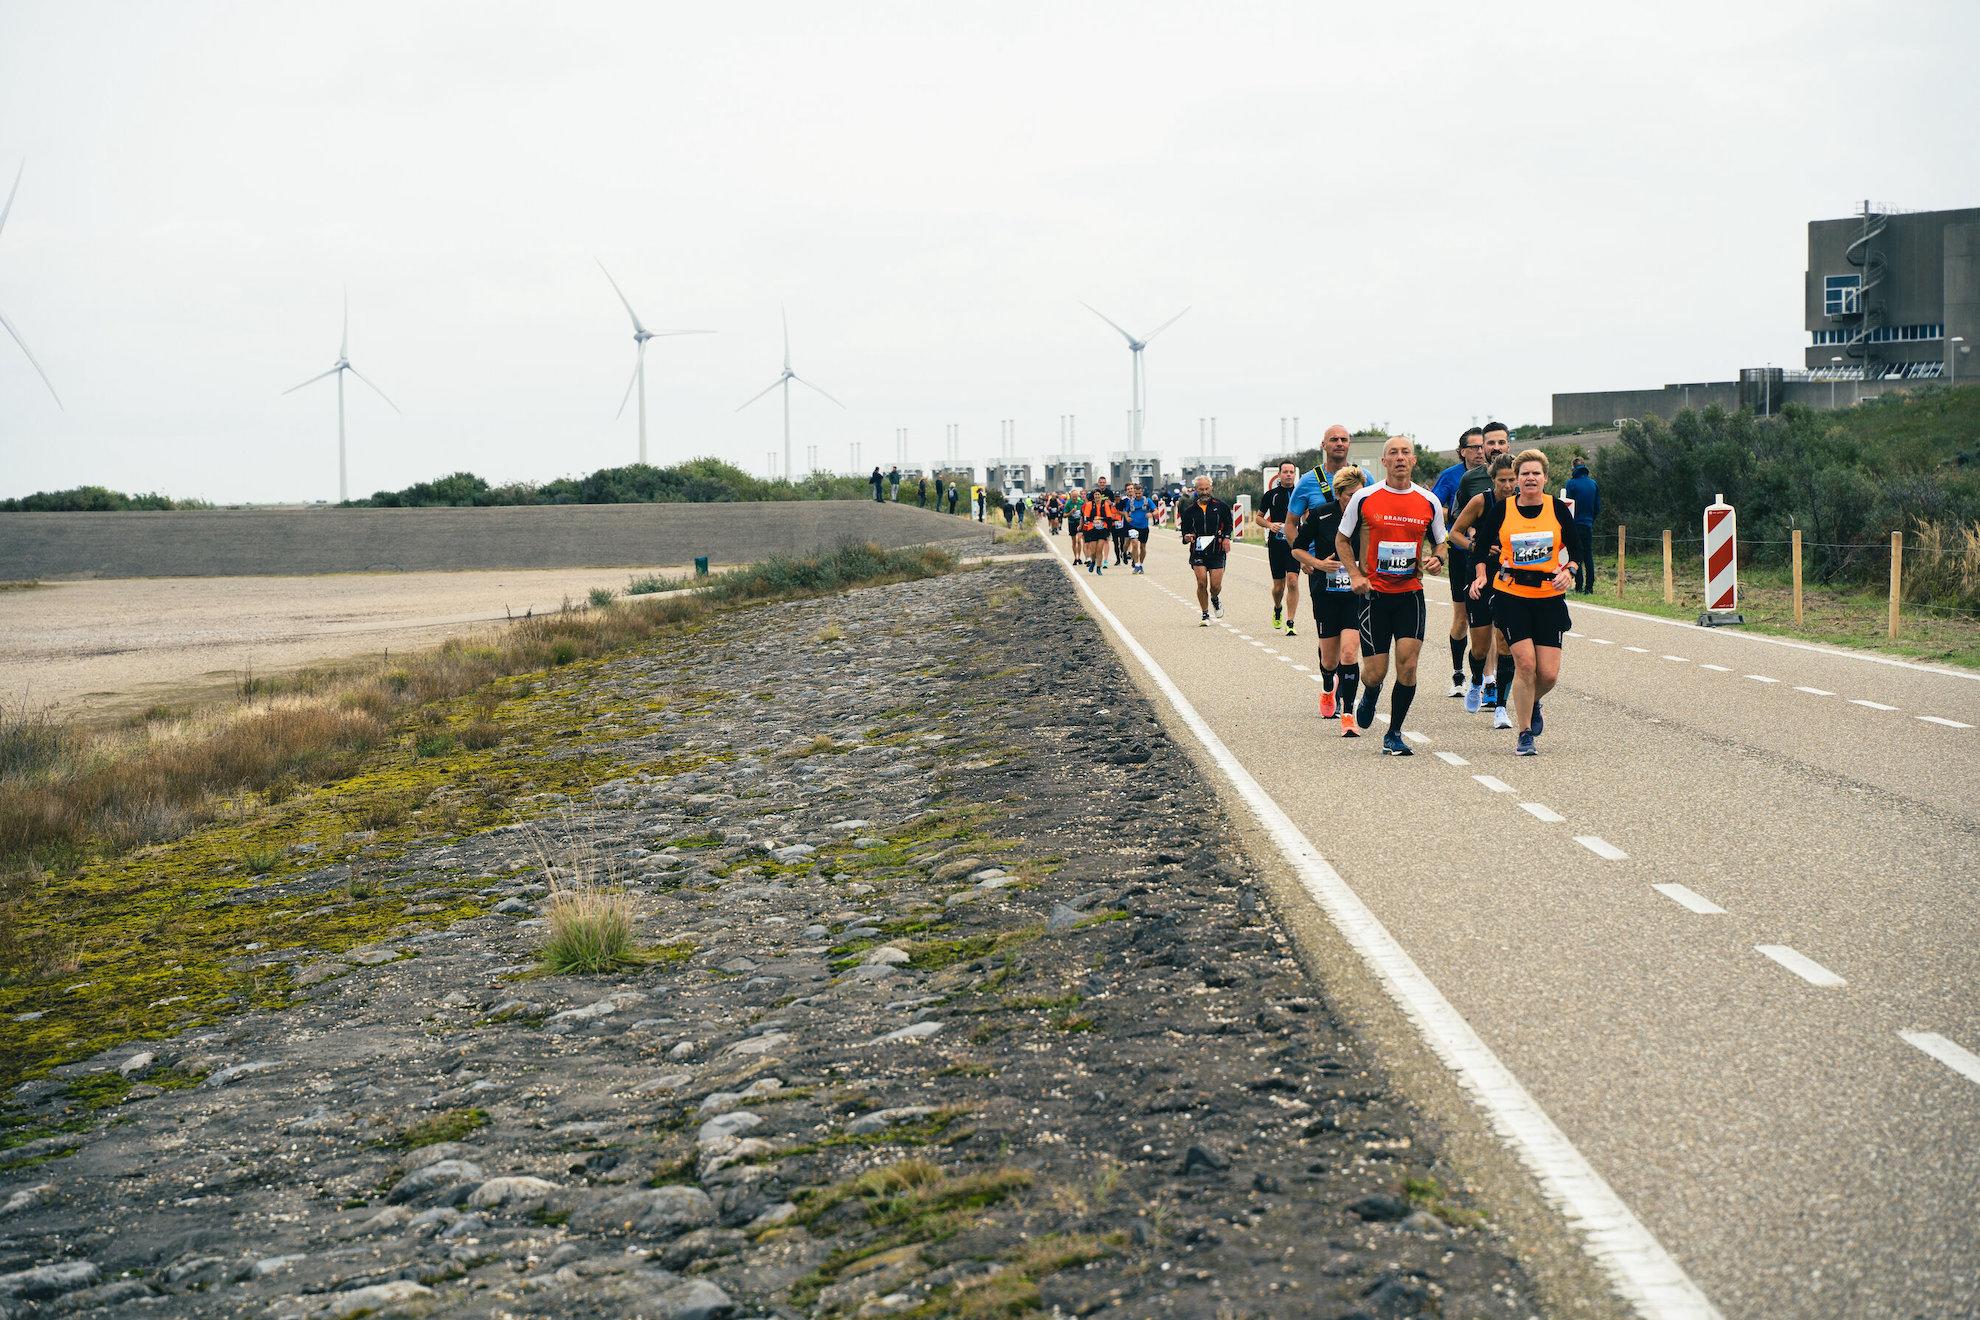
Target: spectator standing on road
(921, 493)
(1587, 501)
(955, 488)
(1010, 507)
(938, 495)
(877, 481)
(981, 497)
(894, 482)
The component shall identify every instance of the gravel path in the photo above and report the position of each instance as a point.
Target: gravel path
(966, 1004)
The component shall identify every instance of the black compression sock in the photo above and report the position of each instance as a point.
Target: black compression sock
(1477, 669)
(1349, 676)
(1326, 679)
(1457, 658)
(1364, 714)
(1505, 678)
(1399, 706)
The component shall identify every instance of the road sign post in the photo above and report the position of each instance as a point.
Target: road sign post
(1670, 583)
(1721, 565)
(1796, 536)
(1897, 580)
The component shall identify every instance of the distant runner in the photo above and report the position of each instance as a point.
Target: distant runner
(1399, 516)
(1097, 518)
(1140, 512)
(1470, 452)
(1271, 516)
(1206, 530)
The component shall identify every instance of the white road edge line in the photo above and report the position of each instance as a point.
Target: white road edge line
(1940, 719)
(1601, 847)
(1801, 965)
(1962, 1061)
(1541, 811)
(1690, 898)
(1637, 1265)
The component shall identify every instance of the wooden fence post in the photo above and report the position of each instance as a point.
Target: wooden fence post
(1622, 547)
(1897, 577)
(1795, 536)
(1670, 584)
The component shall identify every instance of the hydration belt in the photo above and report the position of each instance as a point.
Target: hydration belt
(1526, 577)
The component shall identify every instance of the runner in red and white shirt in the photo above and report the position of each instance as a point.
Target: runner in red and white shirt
(1391, 522)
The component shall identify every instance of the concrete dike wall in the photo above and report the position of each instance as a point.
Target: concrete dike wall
(237, 542)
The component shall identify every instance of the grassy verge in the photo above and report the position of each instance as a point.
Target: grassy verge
(1842, 616)
(138, 867)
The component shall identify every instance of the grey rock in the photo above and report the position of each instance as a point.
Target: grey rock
(196, 1270)
(881, 1119)
(137, 1063)
(728, 1125)
(767, 1043)
(886, 955)
(861, 932)
(513, 905)
(651, 1211)
(772, 1217)
(875, 972)
(1379, 1208)
(668, 1081)
(228, 1076)
(390, 1219)
(317, 972)
(512, 1193)
(955, 870)
(684, 1050)
(398, 1297)
(268, 1265)
(1422, 1221)
(27, 1198)
(1063, 918)
(1202, 1159)
(702, 1244)
(444, 1180)
(916, 1031)
(816, 932)
(44, 1281)
(794, 852)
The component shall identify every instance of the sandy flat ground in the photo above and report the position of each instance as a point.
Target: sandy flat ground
(100, 648)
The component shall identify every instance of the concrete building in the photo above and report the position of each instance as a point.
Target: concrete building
(1141, 466)
(1218, 468)
(1066, 471)
(1011, 474)
(1890, 300)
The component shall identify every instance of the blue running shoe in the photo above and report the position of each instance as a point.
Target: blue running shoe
(1525, 747)
(1393, 745)
(1538, 725)
(1489, 698)
(1472, 696)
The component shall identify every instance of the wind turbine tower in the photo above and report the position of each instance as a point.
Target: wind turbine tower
(3, 316)
(1138, 394)
(640, 335)
(784, 381)
(344, 365)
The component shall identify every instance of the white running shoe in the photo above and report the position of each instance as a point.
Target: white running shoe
(1502, 719)
(1457, 688)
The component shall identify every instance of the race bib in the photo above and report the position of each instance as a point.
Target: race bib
(1205, 542)
(1532, 549)
(1118, 523)
(1396, 558)
(1134, 533)
(1338, 580)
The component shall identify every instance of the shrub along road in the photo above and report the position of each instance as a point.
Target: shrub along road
(957, 998)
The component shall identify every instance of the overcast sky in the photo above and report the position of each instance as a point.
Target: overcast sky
(1389, 214)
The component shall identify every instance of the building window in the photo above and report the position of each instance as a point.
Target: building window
(1839, 294)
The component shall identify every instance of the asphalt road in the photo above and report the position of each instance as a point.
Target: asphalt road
(1771, 1059)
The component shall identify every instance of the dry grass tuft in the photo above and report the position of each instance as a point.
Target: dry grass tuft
(590, 914)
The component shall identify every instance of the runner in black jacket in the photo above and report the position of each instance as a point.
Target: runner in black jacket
(1206, 530)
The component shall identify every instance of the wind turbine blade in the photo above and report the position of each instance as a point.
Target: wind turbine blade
(638, 329)
(632, 381)
(10, 193)
(808, 385)
(313, 379)
(754, 397)
(30, 355)
(1165, 325)
(787, 336)
(374, 389)
(662, 334)
(344, 349)
(1103, 316)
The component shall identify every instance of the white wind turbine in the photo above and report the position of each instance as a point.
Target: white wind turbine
(3, 316)
(1138, 396)
(785, 381)
(344, 365)
(640, 335)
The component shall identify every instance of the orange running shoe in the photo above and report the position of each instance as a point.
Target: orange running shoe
(1347, 726)
(1326, 705)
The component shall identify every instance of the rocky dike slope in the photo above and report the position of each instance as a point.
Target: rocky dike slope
(959, 1003)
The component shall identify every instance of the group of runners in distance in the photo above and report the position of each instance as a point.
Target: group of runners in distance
(1360, 545)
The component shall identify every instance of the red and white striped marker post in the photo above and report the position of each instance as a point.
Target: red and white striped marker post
(1721, 565)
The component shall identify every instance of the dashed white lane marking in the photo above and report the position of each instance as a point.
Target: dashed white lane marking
(1815, 692)
(1645, 1275)
(1950, 724)
(1245, 636)
(1962, 1061)
(1415, 737)
(1493, 783)
(1717, 669)
(1601, 847)
(1318, 678)
(1573, 633)
(1541, 811)
(1801, 965)
(1601, 641)
(1689, 898)
(1300, 668)
(1680, 659)
(1873, 705)
(1288, 660)
(1640, 650)
(1450, 758)
(1762, 678)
